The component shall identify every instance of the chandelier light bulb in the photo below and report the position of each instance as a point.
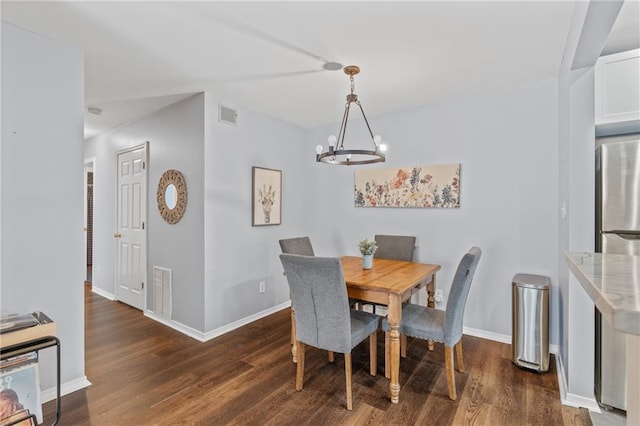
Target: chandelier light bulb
(383, 147)
(377, 139)
(318, 149)
(332, 140)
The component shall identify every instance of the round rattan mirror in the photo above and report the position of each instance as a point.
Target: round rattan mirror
(172, 196)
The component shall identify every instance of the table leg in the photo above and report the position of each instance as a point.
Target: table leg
(394, 315)
(431, 303)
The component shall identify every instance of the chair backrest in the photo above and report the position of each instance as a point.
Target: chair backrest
(458, 296)
(319, 298)
(299, 245)
(396, 247)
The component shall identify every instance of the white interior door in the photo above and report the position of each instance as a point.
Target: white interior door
(131, 238)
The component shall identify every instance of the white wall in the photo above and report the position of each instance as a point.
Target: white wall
(237, 255)
(591, 24)
(580, 359)
(42, 196)
(176, 137)
(507, 144)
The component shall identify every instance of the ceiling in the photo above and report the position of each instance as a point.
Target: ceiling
(270, 56)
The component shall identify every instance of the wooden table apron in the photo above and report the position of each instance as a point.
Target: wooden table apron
(389, 282)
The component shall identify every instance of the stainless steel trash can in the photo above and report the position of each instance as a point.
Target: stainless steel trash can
(530, 322)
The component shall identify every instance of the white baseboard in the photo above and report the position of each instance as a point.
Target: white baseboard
(65, 388)
(570, 399)
(204, 337)
(562, 377)
(184, 329)
(581, 402)
(489, 335)
(101, 292)
(244, 321)
(497, 337)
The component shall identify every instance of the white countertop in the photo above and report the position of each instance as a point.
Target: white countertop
(612, 281)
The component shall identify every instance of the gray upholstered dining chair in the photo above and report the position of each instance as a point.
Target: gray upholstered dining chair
(323, 317)
(298, 245)
(396, 247)
(442, 326)
(302, 246)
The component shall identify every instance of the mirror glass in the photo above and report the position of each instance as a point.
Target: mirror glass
(171, 196)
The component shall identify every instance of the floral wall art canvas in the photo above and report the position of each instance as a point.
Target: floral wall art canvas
(430, 186)
(266, 196)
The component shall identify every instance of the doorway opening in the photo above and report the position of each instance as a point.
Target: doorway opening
(88, 217)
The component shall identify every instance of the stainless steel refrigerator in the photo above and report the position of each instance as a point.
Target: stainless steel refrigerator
(617, 231)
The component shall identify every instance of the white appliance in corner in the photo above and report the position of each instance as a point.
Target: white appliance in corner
(618, 232)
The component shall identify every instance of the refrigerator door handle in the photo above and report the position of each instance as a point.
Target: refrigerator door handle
(627, 235)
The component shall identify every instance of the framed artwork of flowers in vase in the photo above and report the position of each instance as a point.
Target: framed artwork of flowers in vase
(266, 196)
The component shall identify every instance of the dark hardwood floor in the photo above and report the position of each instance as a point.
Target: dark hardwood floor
(144, 373)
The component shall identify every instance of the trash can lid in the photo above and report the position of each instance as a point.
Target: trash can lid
(531, 281)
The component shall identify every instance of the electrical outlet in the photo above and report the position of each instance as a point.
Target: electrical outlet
(438, 296)
(263, 286)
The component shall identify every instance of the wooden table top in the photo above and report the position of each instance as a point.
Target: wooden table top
(388, 276)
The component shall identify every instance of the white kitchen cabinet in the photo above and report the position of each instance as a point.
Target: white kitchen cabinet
(617, 87)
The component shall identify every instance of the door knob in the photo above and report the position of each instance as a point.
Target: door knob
(117, 235)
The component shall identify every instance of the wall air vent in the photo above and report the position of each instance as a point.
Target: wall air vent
(227, 115)
(162, 291)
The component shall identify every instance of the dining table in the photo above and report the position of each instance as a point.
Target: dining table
(391, 283)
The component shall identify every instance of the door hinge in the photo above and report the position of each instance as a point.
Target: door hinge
(143, 285)
(144, 165)
(142, 225)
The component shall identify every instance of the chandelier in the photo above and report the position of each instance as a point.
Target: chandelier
(338, 154)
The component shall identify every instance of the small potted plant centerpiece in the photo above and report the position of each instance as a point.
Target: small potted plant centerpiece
(367, 249)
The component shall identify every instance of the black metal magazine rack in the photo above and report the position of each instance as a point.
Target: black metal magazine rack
(36, 345)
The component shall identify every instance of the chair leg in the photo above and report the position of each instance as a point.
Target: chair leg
(459, 359)
(387, 342)
(403, 345)
(294, 343)
(300, 366)
(373, 353)
(347, 373)
(448, 366)
(331, 356)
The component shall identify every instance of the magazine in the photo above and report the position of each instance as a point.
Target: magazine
(20, 393)
(18, 361)
(14, 322)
